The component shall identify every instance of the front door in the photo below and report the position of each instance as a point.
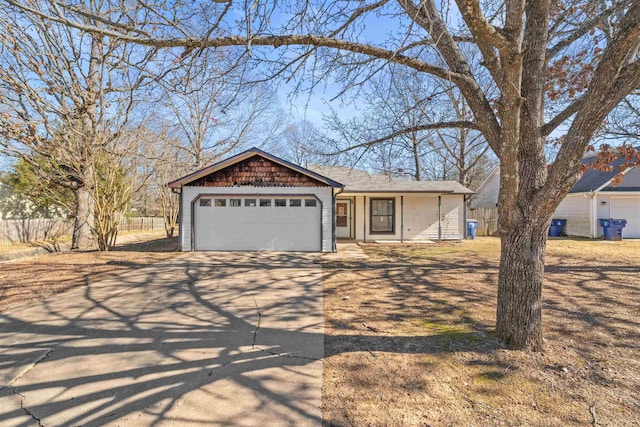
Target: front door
(343, 219)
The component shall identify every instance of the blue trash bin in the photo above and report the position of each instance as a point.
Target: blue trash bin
(612, 228)
(557, 227)
(615, 229)
(605, 224)
(472, 226)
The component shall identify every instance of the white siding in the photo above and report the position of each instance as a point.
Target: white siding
(603, 210)
(604, 206)
(487, 194)
(416, 217)
(575, 209)
(324, 194)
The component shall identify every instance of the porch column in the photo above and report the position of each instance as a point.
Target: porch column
(439, 218)
(364, 219)
(593, 215)
(401, 219)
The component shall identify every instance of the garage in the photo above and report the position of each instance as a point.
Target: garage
(264, 223)
(627, 208)
(255, 201)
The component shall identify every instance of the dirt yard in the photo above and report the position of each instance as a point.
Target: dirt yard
(409, 339)
(26, 280)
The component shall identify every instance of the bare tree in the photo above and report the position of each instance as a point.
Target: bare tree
(624, 122)
(464, 147)
(113, 190)
(301, 143)
(390, 132)
(531, 50)
(67, 95)
(164, 160)
(214, 113)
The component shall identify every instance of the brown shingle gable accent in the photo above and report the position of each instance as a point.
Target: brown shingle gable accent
(259, 172)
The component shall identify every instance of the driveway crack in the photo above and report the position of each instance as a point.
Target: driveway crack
(273, 353)
(24, 408)
(291, 356)
(22, 396)
(255, 332)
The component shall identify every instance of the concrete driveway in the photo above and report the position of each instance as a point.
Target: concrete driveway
(201, 339)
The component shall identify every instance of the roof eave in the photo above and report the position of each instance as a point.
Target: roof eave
(181, 182)
(347, 190)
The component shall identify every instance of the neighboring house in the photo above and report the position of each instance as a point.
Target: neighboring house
(487, 194)
(592, 198)
(257, 201)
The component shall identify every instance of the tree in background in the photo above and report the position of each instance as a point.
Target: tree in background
(624, 122)
(303, 144)
(399, 132)
(213, 112)
(67, 96)
(392, 135)
(163, 159)
(31, 196)
(112, 196)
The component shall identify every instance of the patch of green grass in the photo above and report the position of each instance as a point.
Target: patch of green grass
(450, 332)
(444, 329)
(489, 377)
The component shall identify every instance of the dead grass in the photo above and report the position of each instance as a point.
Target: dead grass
(26, 280)
(409, 339)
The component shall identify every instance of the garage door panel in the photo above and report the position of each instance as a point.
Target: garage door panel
(256, 237)
(257, 228)
(627, 208)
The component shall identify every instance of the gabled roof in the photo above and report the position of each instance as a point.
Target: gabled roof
(495, 171)
(597, 180)
(359, 181)
(178, 183)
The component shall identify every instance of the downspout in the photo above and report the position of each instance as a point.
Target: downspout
(193, 224)
(334, 244)
(439, 218)
(354, 213)
(401, 219)
(464, 216)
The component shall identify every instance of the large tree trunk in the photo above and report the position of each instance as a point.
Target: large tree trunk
(85, 203)
(519, 313)
(82, 237)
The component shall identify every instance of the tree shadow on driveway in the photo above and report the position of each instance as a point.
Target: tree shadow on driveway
(218, 338)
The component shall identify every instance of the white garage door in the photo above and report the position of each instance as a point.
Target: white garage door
(627, 208)
(267, 223)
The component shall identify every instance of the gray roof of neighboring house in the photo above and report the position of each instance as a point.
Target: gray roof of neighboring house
(593, 179)
(359, 181)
